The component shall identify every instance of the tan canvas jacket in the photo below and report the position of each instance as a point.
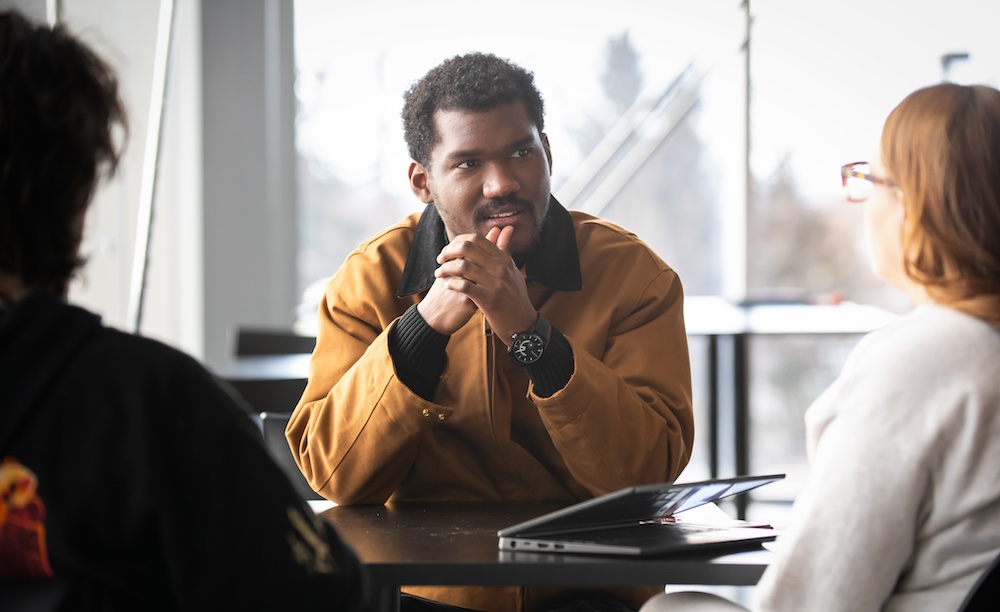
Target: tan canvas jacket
(361, 436)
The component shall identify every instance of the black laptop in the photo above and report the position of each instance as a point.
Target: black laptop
(641, 520)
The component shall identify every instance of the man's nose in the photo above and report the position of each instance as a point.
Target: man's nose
(499, 181)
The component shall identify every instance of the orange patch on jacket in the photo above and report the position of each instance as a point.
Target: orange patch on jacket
(22, 523)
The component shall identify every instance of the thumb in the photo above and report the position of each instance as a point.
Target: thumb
(503, 240)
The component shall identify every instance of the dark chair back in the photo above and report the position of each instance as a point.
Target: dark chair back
(273, 425)
(265, 393)
(985, 592)
(271, 341)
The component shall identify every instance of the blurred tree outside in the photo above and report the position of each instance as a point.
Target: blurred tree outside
(621, 78)
(676, 198)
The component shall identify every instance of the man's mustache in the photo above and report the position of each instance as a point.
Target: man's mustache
(486, 211)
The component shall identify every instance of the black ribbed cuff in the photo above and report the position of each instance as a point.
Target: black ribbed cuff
(418, 352)
(554, 369)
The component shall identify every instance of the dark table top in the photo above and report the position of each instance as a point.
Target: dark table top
(456, 544)
(264, 367)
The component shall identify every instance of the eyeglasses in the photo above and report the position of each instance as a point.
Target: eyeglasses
(859, 181)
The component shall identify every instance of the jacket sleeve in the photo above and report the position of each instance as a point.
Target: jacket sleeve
(356, 429)
(625, 415)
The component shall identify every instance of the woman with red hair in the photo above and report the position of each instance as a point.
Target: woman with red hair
(901, 510)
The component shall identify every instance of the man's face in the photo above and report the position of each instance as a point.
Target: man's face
(488, 169)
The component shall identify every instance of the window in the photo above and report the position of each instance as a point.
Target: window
(647, 112)
(646, 96)
(644, 104)
(823, 81)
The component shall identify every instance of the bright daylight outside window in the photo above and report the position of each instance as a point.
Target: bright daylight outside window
(824, 78)
(648, 100)
(625, 94)
(643, 105)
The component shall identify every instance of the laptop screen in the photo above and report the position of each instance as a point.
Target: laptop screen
(636, 504)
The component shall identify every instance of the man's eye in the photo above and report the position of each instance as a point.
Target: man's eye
(522, 153)
(468, 164)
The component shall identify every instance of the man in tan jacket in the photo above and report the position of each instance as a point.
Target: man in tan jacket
(495, 346)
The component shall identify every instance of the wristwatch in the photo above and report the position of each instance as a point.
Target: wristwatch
(527, 347)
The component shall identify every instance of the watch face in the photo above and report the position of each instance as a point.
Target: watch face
(527, 348)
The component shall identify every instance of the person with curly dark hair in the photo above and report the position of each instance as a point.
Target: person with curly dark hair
(476, 82)
(56, 137)
(129, 479)
(494, 346)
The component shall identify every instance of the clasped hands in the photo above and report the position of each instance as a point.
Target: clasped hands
(478, 273)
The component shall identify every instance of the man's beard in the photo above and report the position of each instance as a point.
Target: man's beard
(522, 256)
(519, 256)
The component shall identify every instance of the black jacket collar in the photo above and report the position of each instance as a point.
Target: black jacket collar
(555, 264)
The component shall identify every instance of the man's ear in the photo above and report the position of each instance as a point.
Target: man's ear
(420, 183)
(548, 150)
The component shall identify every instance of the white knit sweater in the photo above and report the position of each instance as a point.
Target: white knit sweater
(902, 506)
